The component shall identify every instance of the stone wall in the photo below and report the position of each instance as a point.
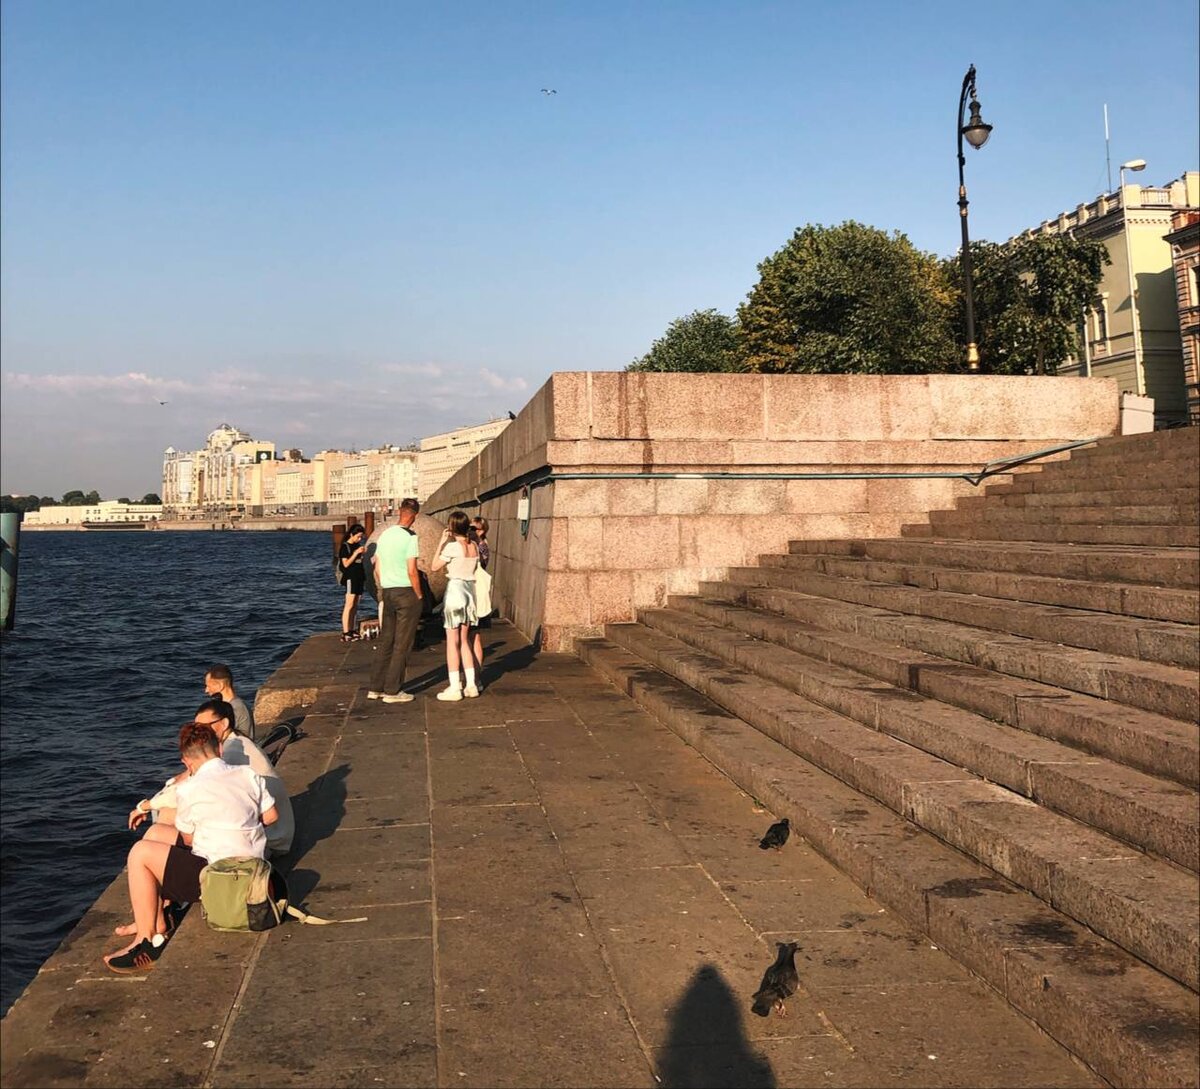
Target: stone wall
(597, 549)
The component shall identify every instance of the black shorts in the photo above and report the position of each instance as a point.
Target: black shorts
(355, 580)
(181, 875)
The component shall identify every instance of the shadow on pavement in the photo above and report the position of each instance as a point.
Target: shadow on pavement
(319, 811)
(707, 1046)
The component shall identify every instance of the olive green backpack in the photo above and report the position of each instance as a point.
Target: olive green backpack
(246, 894)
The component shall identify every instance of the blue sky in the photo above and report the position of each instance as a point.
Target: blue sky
(345, 224)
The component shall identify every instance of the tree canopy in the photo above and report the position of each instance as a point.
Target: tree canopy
(704, 340)
(1029, 298)
(849, 299)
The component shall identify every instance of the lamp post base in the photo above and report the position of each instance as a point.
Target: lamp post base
(973, 357)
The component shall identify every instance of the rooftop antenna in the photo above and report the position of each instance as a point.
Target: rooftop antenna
(1107, 149)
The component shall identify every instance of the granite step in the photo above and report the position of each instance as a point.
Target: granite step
(1046, 480)
(1172, 514)
(1151, 813)
(1130, 1023)
(1130, 497)
(1149, 686)
(1129, 637)
(1160, 746)
(1150, 536)
(1171, 568)
(1150, 442)
(1121, 599)
(1084, 873)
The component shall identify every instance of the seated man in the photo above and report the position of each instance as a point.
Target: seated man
(234, 749)
(218, 684)
(222, 811)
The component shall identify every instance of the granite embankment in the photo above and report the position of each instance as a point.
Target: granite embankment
(559, 892)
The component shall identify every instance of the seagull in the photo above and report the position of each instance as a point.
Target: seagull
(549, 91)
(164, 402)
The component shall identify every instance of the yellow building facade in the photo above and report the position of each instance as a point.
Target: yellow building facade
(1131, 332)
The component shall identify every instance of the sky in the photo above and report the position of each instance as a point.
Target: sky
(344, 224)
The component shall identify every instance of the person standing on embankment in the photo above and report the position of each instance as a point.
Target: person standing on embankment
(396, 575)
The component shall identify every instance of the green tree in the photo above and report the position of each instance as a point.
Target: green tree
(76, 498)
(124, 499)
(704, 340)
(849, 299)
(1029, 298)
(21, 504)
(151, 497)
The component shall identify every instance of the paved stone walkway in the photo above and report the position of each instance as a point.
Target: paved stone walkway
(559, 892)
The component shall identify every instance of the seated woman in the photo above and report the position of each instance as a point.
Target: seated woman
(222, 813)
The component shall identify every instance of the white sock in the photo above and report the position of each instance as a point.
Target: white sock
(455, 681)
(470, 677)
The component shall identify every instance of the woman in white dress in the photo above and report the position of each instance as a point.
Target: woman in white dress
(459, 555)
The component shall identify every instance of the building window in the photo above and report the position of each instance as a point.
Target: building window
(1100, 324)
(1193, 298)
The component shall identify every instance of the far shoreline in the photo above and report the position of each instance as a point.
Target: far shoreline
(325, 522)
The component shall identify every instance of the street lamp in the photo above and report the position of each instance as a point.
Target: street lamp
(1133, 164)
(977, 133)
(1135, 328)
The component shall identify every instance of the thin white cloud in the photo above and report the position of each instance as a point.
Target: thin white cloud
(516, 384)
(75, 384)
(418, 370)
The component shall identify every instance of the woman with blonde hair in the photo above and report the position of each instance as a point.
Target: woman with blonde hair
(459, 555)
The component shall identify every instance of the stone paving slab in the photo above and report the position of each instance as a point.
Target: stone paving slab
(559, 892)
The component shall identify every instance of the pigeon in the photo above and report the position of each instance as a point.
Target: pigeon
(512, 415)
(549, 91)
(779, 982)
(777, 835)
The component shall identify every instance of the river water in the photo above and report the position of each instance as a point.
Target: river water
(114, 632)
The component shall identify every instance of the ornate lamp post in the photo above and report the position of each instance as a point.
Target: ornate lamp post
(977, 134)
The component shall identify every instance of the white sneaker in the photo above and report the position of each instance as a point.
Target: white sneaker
(373, 695)
(400, 697)
(451, 695)
(470, 691)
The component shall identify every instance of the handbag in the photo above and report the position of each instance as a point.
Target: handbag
(483, 593)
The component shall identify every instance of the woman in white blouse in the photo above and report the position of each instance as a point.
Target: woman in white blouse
(459, 555)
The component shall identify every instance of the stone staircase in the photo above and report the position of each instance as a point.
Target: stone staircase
(991, 724)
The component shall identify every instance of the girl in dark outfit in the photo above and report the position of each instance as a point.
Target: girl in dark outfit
(350, 557)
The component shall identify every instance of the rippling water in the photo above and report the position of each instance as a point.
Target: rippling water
(114, 632)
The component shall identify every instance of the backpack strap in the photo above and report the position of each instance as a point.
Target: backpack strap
(316, 920)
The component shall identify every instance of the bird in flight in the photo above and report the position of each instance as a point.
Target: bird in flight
(163, 402)
(549, 91)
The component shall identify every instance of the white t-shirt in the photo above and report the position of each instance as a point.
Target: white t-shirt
(222, 808)
(242, 752)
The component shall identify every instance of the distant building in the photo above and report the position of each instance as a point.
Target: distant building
(441, 456)
(1132, 331)
(108, 512)
(1184, 240)
(212, 482)
(332, 482)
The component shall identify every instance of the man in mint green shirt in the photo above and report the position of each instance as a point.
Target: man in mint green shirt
(395, 565)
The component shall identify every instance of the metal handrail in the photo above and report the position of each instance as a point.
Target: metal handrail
(540, 477)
